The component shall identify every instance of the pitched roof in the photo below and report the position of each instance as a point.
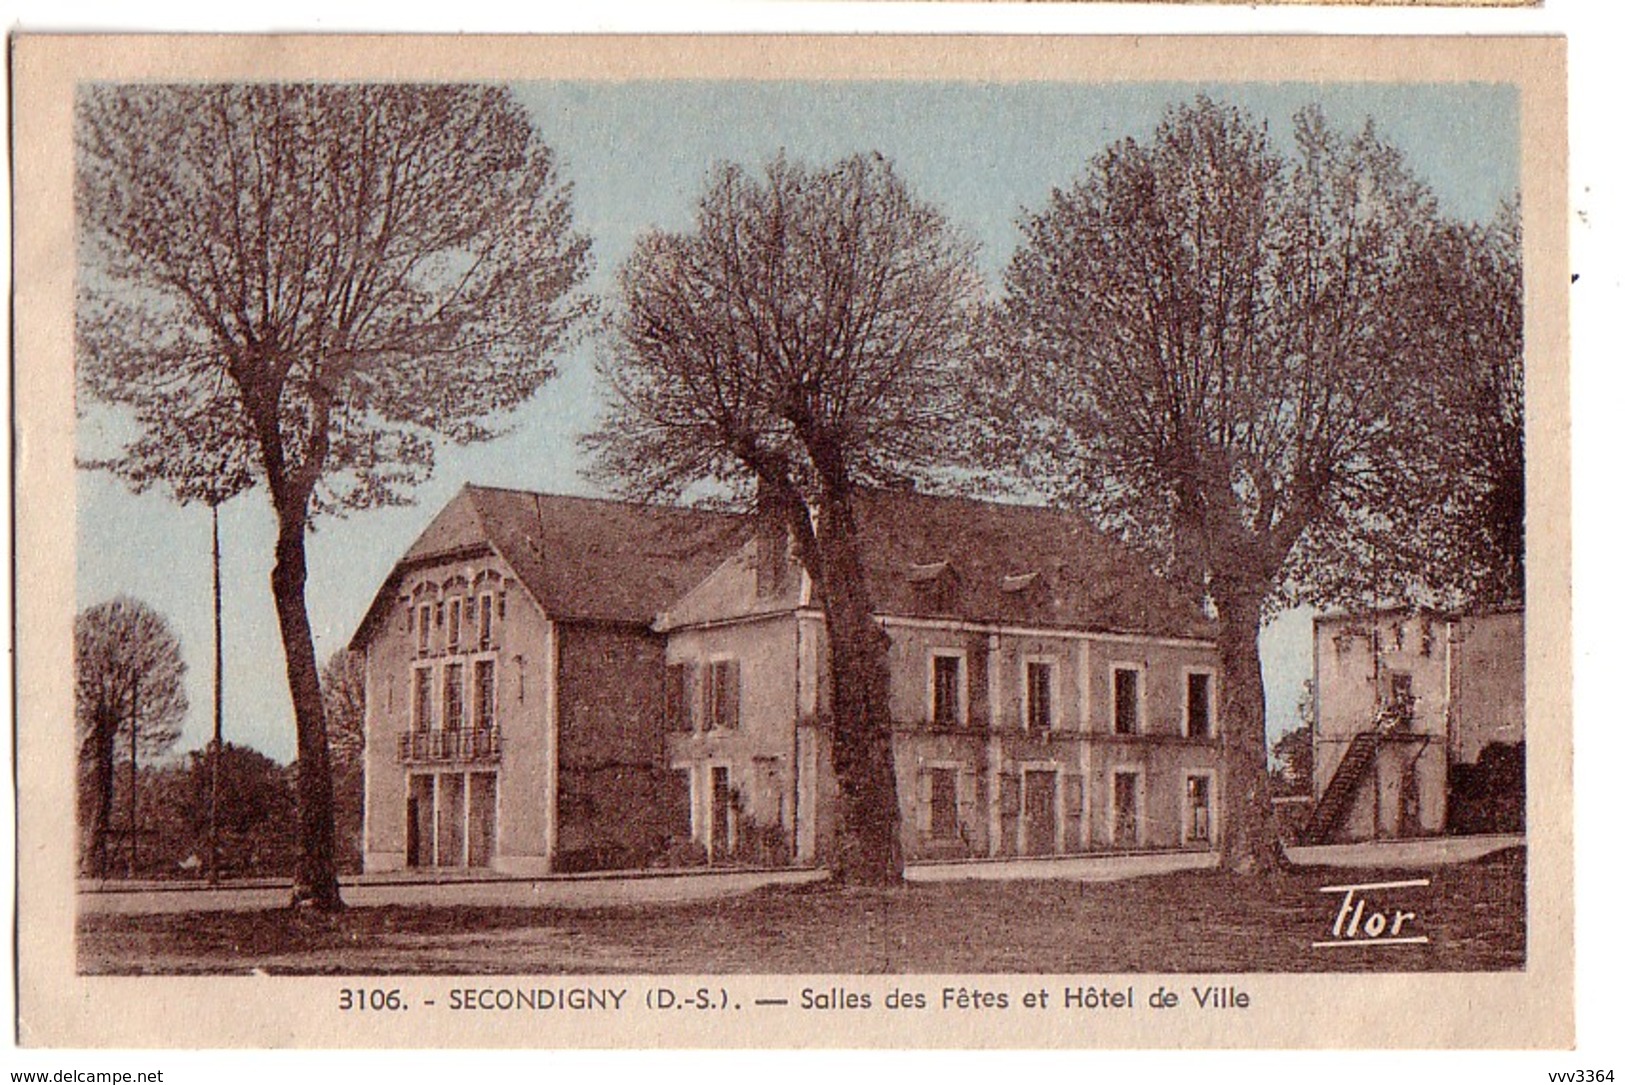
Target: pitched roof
(978, 561)
(582, 559)
(981, 561)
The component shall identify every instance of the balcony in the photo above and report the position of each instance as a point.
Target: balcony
(477, 747)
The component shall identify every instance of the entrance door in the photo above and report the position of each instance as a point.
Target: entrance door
(1038, 812)
(721, 813)
(482, 818)
(453, 810)
(420, 822)
(412, 840)
(1126, 809)
(1410, 803)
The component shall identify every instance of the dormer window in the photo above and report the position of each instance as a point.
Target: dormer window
(933, 584)
(928, 573)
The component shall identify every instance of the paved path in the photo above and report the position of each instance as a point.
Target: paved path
(590, 891)
(1106, 868)
(570, 892)
(1433, 851)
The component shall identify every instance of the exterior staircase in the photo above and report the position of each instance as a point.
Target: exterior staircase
(1334, 803)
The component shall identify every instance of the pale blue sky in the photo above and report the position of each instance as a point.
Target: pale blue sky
(637, 154)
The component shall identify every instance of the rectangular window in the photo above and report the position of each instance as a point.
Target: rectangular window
(722, 694)
(945, 691)
(423, 698)
(1198, 810)
(454, 622)
(485, 694)
(454, 698)
(944, 803)
(423, 628)
(1199, 704)
(1399, 688)
(1400, 700)
(1039, 698)
(1125, 700)
(679, 716)
(485, 621)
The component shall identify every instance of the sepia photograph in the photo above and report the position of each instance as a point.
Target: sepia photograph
(771, 536)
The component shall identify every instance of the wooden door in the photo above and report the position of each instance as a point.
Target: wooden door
(1038, 812)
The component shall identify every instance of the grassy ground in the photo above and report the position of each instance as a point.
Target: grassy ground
(1196, 921)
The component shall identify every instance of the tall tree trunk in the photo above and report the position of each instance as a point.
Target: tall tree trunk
(316, 877)
(1251, 842)
(868, 846)
(101, 783)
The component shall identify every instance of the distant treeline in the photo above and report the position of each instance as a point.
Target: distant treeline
(255, 816)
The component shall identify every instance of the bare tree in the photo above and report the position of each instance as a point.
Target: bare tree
(129, 683)
(1223, 353)
(315, 282)
(800, 342)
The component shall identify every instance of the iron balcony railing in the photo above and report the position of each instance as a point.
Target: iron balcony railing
(483, 745)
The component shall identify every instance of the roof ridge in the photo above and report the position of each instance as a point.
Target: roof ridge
(616, 502)
(967, 499)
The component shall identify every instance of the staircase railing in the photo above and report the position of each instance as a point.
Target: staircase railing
(1334, 801)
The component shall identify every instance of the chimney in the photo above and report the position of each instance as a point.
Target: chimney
(772, 542)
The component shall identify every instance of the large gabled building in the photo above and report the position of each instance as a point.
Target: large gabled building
(1048, 693)
(556, 683)
(513, 683)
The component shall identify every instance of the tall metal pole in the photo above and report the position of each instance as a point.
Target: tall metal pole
(214, 747)
(135, 721)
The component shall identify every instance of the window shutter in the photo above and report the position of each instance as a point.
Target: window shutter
(730, 706)
(978, 712)
(676, 695)
(922, 802)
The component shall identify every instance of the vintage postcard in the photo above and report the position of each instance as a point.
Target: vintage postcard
(793, 542)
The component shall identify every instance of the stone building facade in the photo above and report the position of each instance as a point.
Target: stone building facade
(513, 683)
(670, 701)
(1406, 705)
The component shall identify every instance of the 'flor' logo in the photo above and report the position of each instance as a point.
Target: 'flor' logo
(1364, 919)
